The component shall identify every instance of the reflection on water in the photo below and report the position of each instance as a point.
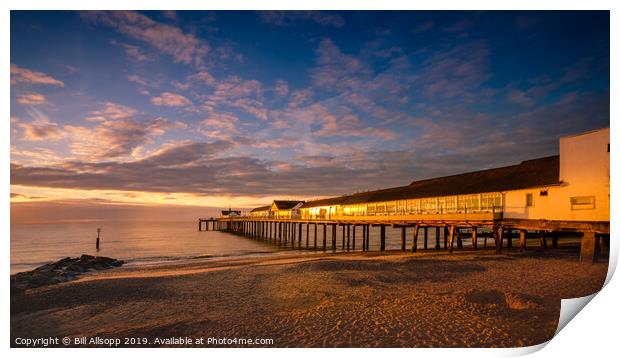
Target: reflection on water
(33, 245)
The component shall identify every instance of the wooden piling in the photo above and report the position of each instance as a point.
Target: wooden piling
(363, 237)
(522, 237)
(451, 238)
(474, 237)
(353, 237)
(459, 240)
(348, 237)
(509, 238)
(555, 237)
(324, 237)
(543, 239)
(382, 237)
(590, 247)
(315, 229)
(437, 242)
(403, 238)
(425, 238)
(416, 229)
(279, 231)
(499, 239)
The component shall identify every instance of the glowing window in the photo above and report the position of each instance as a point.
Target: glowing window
(582, 202)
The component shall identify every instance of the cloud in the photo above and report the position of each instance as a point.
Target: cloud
(441, 148)
(133, 51)
(203, 77)
(115, 138)
(137, 79)
(195, 81)
(170, 14)
(23, 75)
(220, 125)
(169, 99)
(288, 17)
(458, 72)
(111, 111)
(252, 107)
(168, 39)
(299, 98)
(40, 129)
(341, 122)
(31, 99)
(519, 97)
(281, 88)
(236, 92)
(337, 70)
(25, 196)
(235, 87)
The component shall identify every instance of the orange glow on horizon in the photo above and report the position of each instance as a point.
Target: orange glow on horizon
(27, 194)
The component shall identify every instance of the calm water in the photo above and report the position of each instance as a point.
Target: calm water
(33, 245)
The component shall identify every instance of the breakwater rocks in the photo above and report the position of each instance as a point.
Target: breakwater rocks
(60, 271)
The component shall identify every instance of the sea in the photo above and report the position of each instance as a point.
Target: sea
(147, 243)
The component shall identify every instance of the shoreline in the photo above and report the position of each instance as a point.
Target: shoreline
(389, 299)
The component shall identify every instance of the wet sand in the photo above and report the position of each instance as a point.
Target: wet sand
(467, 299)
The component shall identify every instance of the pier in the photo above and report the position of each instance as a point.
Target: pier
(449, 233)
(539, 199)
(209, 224)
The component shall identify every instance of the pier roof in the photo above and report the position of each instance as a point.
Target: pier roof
(261, 208)
(286, 204)
(527, 174)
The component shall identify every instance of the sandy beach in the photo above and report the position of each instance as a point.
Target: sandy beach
(394, 299)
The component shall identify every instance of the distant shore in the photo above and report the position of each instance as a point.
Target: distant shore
(393, 299)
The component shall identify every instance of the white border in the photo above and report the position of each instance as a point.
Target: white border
(592, 332)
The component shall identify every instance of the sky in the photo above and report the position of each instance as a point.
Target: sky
(236, 108)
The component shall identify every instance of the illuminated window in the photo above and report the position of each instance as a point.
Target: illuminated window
(428, 205)
(529, 200)
(490, 201)
(469, 202)
(582, 202)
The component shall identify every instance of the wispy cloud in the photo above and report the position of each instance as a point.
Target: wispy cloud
(169, 99)
(457, 72)
(32, 99)
(168, 39)
(40, 128)
(134, 52)
(519, 97)
(220, 125)
(115, 138)
(26, 76)
(281, 88)
(111, 111)
(290, 17)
